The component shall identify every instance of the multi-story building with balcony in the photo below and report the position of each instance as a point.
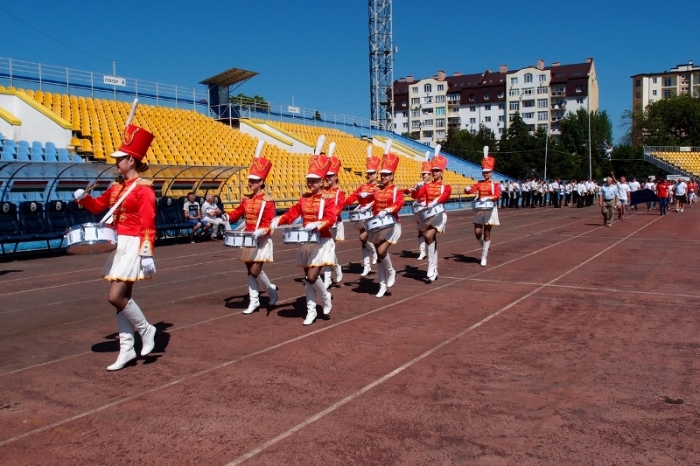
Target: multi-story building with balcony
(542, 95)
(650, 87)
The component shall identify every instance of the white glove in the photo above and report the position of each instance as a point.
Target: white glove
(79, 194)
(382, 213)
(365, 208)
(259, 232)
(467, 190)
(275, 221)
(422, 204)
(147, 265)
(312, 226)
(432, 203)
(364, 194)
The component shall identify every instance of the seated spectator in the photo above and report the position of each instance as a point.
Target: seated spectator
(193, 216)
(213, 216)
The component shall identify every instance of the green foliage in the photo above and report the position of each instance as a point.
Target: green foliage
(521, 152)
(674, 121)
(258, 102)
(574, 140)
(468, 146)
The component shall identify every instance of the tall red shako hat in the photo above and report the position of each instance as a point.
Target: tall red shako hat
(260, 167)
(390, 162)
(135, 143)
(488, 163)
(373, 161)
(319, 164)
(336, 163)
(439, 162)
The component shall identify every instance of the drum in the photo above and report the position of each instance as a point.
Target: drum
(416, 207)
(240, 239)
(297, 235)
(90, 238)
(379, 223)
(431, 211)
(360, 215)
(486, 204)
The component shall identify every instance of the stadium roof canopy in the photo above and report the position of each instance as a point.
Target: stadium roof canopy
(229, 78)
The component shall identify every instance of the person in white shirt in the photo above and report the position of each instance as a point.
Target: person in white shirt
(211, 216)
(634, 187)
(680, 191)
(651, 186)
(623, 195)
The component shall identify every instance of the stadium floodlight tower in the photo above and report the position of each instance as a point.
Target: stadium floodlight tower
(381, 63)
(220, 89)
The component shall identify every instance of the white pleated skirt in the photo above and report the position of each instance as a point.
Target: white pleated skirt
(390, 235)
(486, 217)
(124, 263)
(263, 253)
(317, 254)
(437, 221)
(338, 232)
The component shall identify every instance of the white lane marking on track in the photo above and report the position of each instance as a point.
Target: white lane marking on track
(248, 356)
(412, 362)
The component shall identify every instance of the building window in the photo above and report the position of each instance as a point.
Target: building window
(579, 88)
(542, 103)
(441, 88)
(439, 98)
(501, 118)
(452, 97)
(404, 114)
(415, 124)
(487, 107)
(542, 116)
(515, 105)
(542, 126)
(511, 116)
(405, 125)
(428, 99)
(655, 80)
(501, 106)
(472, 121)
(543, 78)
(487, 96)
(514, 92)
(427, 111)
(472, 97)
(428, 122)
(528, 103)
(501, 94)
(440, 111)
(487, 119)
(654, 92)
(527, 78)
(415, 101)
(440, 122)
(637, 83)
(415, 113)
(427, 134)
(579, 100)
(529, 115)
(428, 88)
(472, 108)
(404, 103)
(513, 81)
(500, 130)
(528, 91)
(415, 89)
(667, 82)
(638, 95)
(667, 94)
(541, 90)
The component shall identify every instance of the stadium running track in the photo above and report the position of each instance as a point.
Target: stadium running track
(578, 344)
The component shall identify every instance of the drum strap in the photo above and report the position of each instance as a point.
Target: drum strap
(262, 209)
(118, 203)
(394, 202)
(321, 205)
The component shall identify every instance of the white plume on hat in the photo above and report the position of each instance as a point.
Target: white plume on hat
(486, 151)
(258, 149)
(369, 151)
(319, 144)
(437, 150)
(387, 146)
(331, 149)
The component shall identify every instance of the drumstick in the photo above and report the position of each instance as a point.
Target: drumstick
(367, 205)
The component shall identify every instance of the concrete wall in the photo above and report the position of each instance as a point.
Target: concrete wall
(36, 126)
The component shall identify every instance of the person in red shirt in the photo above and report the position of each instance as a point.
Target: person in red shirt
(335, 195)
(662, 189)
(388, 200)
(485, 190)
(258, 210)
(362, 195)
(317, 215)
(135, 222)
(431, 194)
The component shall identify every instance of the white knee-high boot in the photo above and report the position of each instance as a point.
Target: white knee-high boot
(390, 272)
(365, 261)
(271, 289)
(338, 271)
(485, 252)
(327, 270)
(381, 271)
(373, 249)
(253, 294)
(310, 303)
(325, 296)
(432, 261)
(421, 248)
(138, 321)
(126, 344)
(480, 239)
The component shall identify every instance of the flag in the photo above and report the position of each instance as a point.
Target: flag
(643, 195)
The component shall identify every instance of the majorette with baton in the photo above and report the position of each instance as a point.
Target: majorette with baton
(433, 219)
(362, 195)
(258, 210)
(319, 216)
(485, 205)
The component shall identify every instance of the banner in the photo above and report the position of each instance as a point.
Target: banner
(643, 195)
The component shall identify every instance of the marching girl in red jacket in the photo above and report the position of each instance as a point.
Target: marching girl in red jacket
(485, 190)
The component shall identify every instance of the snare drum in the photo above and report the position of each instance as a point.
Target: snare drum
(379, 223)
(416, 207)
(431, 211)
(240, 239)
(90, 238)
(486, 204)
(360, 215)
(297, 235)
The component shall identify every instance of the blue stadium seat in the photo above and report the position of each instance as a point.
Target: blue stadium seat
(23, 154)
(58, 216)
(7, 157)
(63, 155)
(24, 143)
(77, 159)
(36, 155)
(51, 155)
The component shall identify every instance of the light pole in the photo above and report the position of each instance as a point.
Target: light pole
(590, 147)
(546, 146)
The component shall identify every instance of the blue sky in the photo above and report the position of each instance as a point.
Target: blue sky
(317, 51)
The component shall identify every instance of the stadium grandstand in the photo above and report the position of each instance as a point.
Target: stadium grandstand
(675, 160)
(74, 125)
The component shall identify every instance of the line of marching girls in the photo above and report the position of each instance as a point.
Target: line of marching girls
(314, 223)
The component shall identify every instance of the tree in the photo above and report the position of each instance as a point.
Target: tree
(468, 146)
(575, 139)
(258, 103)
(522, 153)
(668, 122)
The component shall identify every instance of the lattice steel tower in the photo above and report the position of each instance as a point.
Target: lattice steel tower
(381, 62)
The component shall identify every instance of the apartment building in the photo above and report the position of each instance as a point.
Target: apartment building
(428, 108)
(649, 87)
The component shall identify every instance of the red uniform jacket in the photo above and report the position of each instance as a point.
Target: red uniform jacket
(431, 191)
(250, 207)
(389, 198)
(363, 188)
(485, 190)
(308, 208)
(337, 196)
(136, 216)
